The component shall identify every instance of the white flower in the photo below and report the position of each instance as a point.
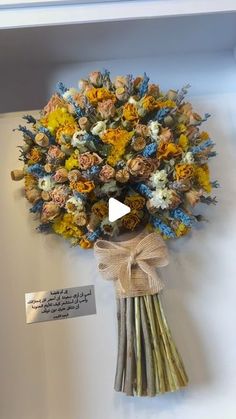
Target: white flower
(159, 179)
(69, 93)
(154, 129)
(109, 187)
(46, 183)
(108, 227)
(74, 204)
(188, 158)
(99, 128)
(161, 198)
(76, 139)
(132, 100)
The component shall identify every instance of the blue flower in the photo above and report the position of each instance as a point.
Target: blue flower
(201, 147)
(36, 170)
(93, 236)
(149, 150)
(44, 228)
(180, 215)
(37, 207)
(142, 189)
(26, 132)
(90, 173)
(164, 228)
(161, 114)
(144, 85)
(61, 88)
(30, 119)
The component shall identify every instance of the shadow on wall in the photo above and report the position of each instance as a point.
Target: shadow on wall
(24, 87)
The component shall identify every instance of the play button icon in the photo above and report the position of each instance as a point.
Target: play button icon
(116, 209)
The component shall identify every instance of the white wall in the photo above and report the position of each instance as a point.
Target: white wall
(65, 369)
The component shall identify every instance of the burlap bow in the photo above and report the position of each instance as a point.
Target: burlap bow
(132, 264)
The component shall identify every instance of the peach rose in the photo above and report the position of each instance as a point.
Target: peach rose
(55, 154)
(106, 109)
(50, 211)
(32, 195)
(193, 197)
(120, 81)
(141, 167)
(54, 103)
(61, 175)
(142, 130)
(59, 195)
(87, 160)
(107, 173)
(95, 78)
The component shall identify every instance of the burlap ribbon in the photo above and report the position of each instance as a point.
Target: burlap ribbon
(132, 264)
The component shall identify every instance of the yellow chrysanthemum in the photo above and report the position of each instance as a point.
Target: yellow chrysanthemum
(99, 94)
(165, 104)
(119, 139)
(181, 129)
(66, 227)
(58, 119)
(204, 135)
(66, 130)
(181, 230)
(183, 142)
(72, 162)
(30, 181)
(202, 176)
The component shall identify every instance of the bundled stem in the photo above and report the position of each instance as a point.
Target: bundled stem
(148, 362)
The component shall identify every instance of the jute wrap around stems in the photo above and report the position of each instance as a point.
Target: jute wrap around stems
(132, 264)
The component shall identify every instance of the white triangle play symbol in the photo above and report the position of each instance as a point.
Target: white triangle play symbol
(116, 209)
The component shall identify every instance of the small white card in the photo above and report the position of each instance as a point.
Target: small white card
(60, 304)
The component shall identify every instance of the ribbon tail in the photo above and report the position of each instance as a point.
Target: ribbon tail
(153, 278)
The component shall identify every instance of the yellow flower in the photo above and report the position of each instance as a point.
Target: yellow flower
(165, 104)
(183, 142)
(66, 227)
(60, 118)
(85, 243)
(34, 156)
(67, 130)
(30, 181)
(168, 151)
(149, 103)
(118, 138)
(202, 176)
(181, 129)
(184, 171)
(204, 135)
(83, 186)
(135, 202)
(181, 230)
(100, 209)
(99, 94)
(131, 220)
(130, 112)
(72, 162)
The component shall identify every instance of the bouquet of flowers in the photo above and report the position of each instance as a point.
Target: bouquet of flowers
(129, 140)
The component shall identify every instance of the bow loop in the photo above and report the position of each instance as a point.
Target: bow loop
(132, 264)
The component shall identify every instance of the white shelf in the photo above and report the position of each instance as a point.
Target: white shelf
(105, 12)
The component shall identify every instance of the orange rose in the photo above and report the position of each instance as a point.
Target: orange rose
(167, 151)
(98, 94)
(149, 103)
(130, 112)
(184, 171)
(83, 186)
